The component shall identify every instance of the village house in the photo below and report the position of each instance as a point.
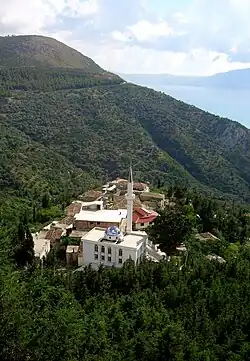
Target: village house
(91, 196)
(72, 252)
(143, 217)
(153, 200)
(41, 244)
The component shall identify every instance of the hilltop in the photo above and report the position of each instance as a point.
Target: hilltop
(34, 50)
(98, 123)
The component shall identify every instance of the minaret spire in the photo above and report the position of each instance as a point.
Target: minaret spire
(130, 200)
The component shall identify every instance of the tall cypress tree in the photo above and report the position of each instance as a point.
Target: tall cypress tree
(23, 246)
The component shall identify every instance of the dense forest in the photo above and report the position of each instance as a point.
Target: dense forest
(188, 308)
(98, 123)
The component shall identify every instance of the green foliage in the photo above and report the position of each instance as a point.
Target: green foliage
(77, 124)
(173, 226)
(23, 246)
(67, 241)
(149, 312)
(71, 109)
(46, 215)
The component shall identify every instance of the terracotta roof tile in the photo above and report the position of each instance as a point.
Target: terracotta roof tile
(142, 215)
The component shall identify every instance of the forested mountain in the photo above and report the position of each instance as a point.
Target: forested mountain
(98, 123)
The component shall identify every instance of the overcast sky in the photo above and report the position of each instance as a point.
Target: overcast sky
(196, 37)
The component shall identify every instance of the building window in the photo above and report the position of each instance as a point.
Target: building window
(98, 223)
(96, 256)
(103, 258)
(142, 224)
(103, 249)
(109, 259)
(109, 250)
(96, 248)
(120, 260)
(120, 252)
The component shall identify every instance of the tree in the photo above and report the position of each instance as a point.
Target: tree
(23, 246)
(46, 200)
(173, 226)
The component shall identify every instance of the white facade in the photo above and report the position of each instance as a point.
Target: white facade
(41, 245)
(139, 226)
(98, 249)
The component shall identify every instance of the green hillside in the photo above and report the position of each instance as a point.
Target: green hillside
(32, 50)
(98, 123)
(29, 171)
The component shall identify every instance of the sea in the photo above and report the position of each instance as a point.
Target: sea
(228, 103)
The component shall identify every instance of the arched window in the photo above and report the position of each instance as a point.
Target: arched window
(96, 248)
(120, 252)
(103, 249)
(109, 250)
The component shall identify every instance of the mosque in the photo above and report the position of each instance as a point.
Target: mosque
(113, 245)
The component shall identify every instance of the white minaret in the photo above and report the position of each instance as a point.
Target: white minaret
(130, 199)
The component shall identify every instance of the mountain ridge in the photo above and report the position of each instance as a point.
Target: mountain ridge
(98, 122)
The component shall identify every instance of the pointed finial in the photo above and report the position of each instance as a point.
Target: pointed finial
(130, 177)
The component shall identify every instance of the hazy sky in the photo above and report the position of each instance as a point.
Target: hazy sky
(141, 36)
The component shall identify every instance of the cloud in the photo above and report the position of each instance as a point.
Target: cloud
(25, 16)
(181, 37)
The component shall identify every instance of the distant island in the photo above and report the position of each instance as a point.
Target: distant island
(235, 79)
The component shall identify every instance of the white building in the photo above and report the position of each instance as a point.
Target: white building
(86, 220)
(41, 244)
(110, 246)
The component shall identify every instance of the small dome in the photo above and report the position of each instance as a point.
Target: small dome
(112, 231)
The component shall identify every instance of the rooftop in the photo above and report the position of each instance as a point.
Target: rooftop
(104, 215)
(72, 249)
(54, 234)
(77, 234)
(207, 236)
(149, 195)
(130, 240)
(143, 215)
(121, 202)
(93, 203)
(95, 194)
(73, 208)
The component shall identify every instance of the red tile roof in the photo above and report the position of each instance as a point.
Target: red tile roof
(142, 215)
